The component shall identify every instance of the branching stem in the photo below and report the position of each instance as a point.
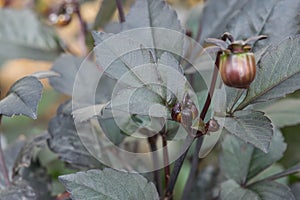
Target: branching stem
(189, 141)
(195, 161)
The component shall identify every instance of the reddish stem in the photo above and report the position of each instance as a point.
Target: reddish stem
(195, 161)
(211, 89)
(83, 29)
(120, 10)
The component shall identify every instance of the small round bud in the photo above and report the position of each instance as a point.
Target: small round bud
(237, 64)
(237, 69)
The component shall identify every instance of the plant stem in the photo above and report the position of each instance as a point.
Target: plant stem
(195, 161)
(3, 163)
(194, 167)
(83, 30)
(177, 166)
(166, 158)
(156, 175)
(189, 141)
(212, 88)
(121, 11)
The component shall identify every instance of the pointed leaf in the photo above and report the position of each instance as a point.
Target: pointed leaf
(260, 160)
(237, 18)
(152, 13)
(221, 12)
(86, 145)
(115, 62)
(278, 73)
(138, 101)
(139, 78)
(23, 36)
(78, 74)
(244, 24)
(235, 159)
(65, 141)
(230, 190)
(267, 21)
(252, 127)
(172, 76)
(169, 60)
(108, 184)
(242, 162)
(272, 190)
(22, 98)
(66, 66)
(284, 112)
(166, 32)
(164, 80)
